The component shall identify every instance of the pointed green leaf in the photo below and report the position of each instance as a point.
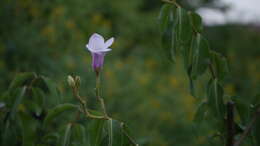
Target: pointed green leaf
(96, 132)
(66, 140)
(219, 64)
(53, 113)
(164, 16)
(242, 108)
(215, 98)
(20, 94)
(200, 56)
(78, 135)
(22, 79)
(168, 33)
(196, 22)
(200, 113)
(183, 28)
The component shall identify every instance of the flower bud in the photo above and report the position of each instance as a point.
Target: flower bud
(71, 81)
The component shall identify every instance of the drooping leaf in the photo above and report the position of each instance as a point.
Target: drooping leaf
(196, 22)
(220, 65)
(200, 56)
(66, 139)
(215, 98)
(168, 32)
(164, 16)
(96, 134)
(242, 108)
(51, 138)
(200, 113)
(183, 28)
(78, 135)
(53, 113)
(19, 97)
(29, 129)
(22, 79)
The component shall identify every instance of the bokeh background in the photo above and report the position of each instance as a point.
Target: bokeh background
(139, 85)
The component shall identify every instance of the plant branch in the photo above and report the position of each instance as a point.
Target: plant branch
(248, 128)
(212, 71)
(230, 124)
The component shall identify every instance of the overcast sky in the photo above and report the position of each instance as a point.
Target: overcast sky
(243, 11)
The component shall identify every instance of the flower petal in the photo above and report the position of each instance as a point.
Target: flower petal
(109, 42)
(96, 42)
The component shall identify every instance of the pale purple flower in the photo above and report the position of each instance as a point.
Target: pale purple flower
(98, 48)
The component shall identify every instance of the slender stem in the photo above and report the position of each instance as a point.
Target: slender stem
(172, 2)
(248, 128)
(230, 124)
(101, 100)
(212, 71)
(84, 106)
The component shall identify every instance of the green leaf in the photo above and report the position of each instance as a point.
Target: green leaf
(168, 36)
(18, 100)
(78, 135)
(164, 16)
(29, 127)
(118, 134)
(200, 113)
(196, 22)
(51, 138)
(242, 108)
(66, 140)
(96, 132)
(219, 64)
(215, 98)
(183, 28)
(22, 79)
(53, 113)
(200, 56)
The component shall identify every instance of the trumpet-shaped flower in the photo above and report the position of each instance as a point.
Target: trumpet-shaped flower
(98, 48)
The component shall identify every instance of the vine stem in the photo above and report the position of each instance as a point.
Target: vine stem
(248, 128)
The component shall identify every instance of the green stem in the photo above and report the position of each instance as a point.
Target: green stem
(101, 100)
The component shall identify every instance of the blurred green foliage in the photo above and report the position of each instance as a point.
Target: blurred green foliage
(139, 86)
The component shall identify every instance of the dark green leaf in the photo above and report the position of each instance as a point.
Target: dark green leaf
(215, 98)
(53, 113)
(66, 140)
(242, 108)
(183, 28)
(96, 132)
(164, 16)
(78, 135)
(200, 56)
(168, 36)
(200, 113)
(196, 22)
(22, 79)
(20, 94)
(219, 64)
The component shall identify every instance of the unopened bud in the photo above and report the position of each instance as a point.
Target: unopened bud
(71, 81)
(77, 81)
